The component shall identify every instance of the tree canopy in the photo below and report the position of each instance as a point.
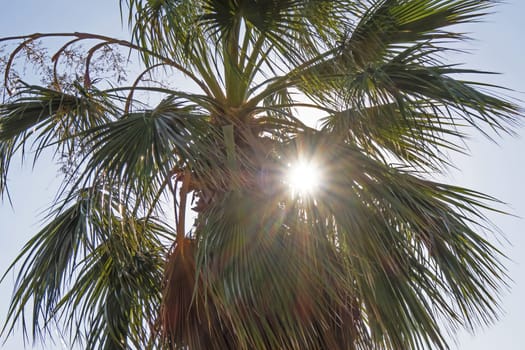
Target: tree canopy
(177, 225)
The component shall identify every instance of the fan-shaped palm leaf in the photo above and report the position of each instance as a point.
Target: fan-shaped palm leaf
(379, 257)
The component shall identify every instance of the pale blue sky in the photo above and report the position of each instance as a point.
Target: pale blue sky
(498, 170)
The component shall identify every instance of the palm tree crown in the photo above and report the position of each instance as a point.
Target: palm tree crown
(376, 257)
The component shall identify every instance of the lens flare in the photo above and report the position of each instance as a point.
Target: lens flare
(303, 178)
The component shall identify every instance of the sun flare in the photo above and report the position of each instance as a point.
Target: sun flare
(303, 177)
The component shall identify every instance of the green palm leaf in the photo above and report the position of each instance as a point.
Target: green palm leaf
(378, 257)
(49, 118)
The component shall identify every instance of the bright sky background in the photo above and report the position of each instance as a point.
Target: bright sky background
(498, 170)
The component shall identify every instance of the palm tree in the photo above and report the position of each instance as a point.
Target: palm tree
(379, 256)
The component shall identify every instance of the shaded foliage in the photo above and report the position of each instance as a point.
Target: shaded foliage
(378, 257)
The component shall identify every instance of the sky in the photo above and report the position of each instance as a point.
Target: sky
(495, 169)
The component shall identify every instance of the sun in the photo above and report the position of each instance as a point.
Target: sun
(303, 177)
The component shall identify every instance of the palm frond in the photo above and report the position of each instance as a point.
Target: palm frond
(416, 138)
(388, 23)
(49, 118)
(115, 299)
(49, 259)
(92, 273)
(379, 257)
(149, 146)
